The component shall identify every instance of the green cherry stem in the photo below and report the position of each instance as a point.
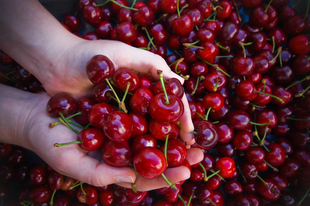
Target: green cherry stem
(307, 11)
(197, 83)
(173, 187)
(67, 143)
(215, 66)
(272, 167)
(303, 198)
(273, 96)
(217, 173)
(297, 82)
(161, 78)
(121, 5)
(166, 146)
(178, 9)
(295, 4)
(268, 6)
(133, 3)
(207, 114)
(52, 198)
(110, 85)
(273, 44)
(53, 124)
(302, 93)
(204, 172)
(243, 177)
(149, 37)
(63, 120)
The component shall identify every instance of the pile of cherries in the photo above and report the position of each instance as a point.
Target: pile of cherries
(246, 67)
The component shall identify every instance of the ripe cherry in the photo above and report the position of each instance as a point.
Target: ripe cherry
(117, 154)
(226, 166)
(62, 103)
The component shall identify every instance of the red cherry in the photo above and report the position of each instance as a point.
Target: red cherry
(90, 196)
(224, 9)
(92, 14)
(206, 133)
(163, 111)
(144, 16)
(140, 101)
(73, 22)
(275, 154)
(103, 29)
(268, 189)
(183, 25)
(98, 112)
(99, 68)
(226, 165)
(117, 126)
(91, 139)
(139, 124)
(208, 52)
(62, 103)
(150, 163)
(299, 44)
(176, 152)
(40, 194)
(143, 141)
(215, 101)
(84, 105)
(38, 175)
(117, 154)
(160, 130)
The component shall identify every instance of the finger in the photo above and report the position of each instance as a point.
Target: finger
(194, 155)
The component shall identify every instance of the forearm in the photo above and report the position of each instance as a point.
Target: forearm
(15, 106)
(32, 36)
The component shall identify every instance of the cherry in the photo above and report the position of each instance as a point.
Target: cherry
(224, 9)
(214, 101)
(206, 134)
(243, 66)
(103, 29)
(134, 197)
(124, 15)
(139, 124)
(226, 166)
(22, 173)
(301, 64)
(7, 173)
(226, 150)
(140, 101)
(233, 188)
(225, 132)
(92, 14)
(246, 90)
(275, 154)
(166, 108)
(125, 32)
(299, 44)
(117, 126)
(90, 36)
(255, 154)
(214, 82)
(239, 119)
(143, 141)
(89, 197)
(173, 195)
(204, 193)
(126, 80)
(208, 51)
(84, 105)
(62, 103)
(98, 112)
(242, 140)
(251, 3)
(101, 93)
(159, 33)
(228, 33)
(99, 68)
(117, 154)
(285, 95)
(258, 17)
(5, 149)
(172, 86)
(176, 152)
(160, 130)
(268, 189)
(183, 25)
(73, 22)
(150, 162)
(38, 175)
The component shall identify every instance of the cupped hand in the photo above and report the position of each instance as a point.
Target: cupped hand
(69, 73)
(85, 166)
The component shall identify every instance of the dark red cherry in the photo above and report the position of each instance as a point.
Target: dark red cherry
(243, 66)
(258, 17)
(172, 86)
(102, 93)
(176, 152)
(206, 134)
(89, 197)
(103, 29)
(124, 15)
(98, 112)
(227, 167)
(204, 194)
(159, 33)
(37, 175)
(140, 101)
(150, 162)
(99, 68)
(228, 33)
(294, 25)
(84, 105)
(160, 130)
(73, 22)
(117, 154)
(92, 14)
(275, 154)
(242, 140)
(143, 141)
(167, 110)
(18, 156)
(233, 188)
(139, 124)
(299, 44)
(124, 78)
(117, 126)
(7, 173)
(239, 119)
(40, 194)
(126, 32)
(255, 154)
(268, 189)
(61, 103)
(144, 16)
(91, 139)
(5, 149)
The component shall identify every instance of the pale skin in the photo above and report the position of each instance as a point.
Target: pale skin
(38, 42)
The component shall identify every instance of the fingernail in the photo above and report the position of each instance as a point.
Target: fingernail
(124, 179)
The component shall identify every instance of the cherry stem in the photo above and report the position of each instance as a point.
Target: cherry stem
(243, 177)
(173, 187)
(308, 58)
(178, 9)
(117, 99)
(273, 44)
(161, 78)
(76, 184)
(268, 6)
(243, 48)
(149, 37)
(278, 52)
(63, 120)
(121, 5)
(177, 64)
(237, 10)
(190, 199)
(133, 3)
(2, 75)
(273, 96)
(297, 82)
(229, 56)
(262, 142)
(184, 7)
(53, 124)
(260, 124)
(207, 114)
(265, 183)
(126, 91)
(197, 83)
(302, 93)
(295, 4)
(67, 143)
(214, 8)
(205, 172)
(161, 17)
(81, 186)
(292, 118)
(210, 18)
(272, 167)
(303, 198)
(216, 66)
(217, 173)
(307, 11)
(191, 44)
(52, 198)
(166, 146)
(181, 198)
(212, 202)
